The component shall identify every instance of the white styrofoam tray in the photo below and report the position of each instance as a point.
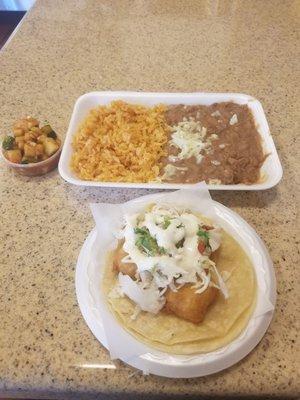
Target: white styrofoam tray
(271, 170)
(175, 366)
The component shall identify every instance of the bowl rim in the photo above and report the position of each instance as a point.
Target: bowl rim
(29, 165)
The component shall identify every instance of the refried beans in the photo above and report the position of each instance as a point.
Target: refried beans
(231, 151)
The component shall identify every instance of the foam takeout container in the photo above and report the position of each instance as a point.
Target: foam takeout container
(271, 170)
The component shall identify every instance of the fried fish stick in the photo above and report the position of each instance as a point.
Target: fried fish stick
(189, 305)
(120, 266)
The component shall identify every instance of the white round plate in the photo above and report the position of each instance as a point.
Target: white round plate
(173, 366)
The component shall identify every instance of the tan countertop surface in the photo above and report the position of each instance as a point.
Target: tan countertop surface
(66, 48)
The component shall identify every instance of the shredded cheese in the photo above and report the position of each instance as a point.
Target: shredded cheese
(216, 114)
(190, 138)
(214, 182)
(215, 162)
(170, 170)
(233, 120)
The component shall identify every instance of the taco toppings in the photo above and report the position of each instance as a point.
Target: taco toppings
(165, 262)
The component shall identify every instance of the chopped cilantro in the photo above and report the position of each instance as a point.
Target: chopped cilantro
(162, 250)
(166, 223)
(8, 143)
(203, 235)
(52, 135)
(146, 243)
(180, 243)
(142, 231)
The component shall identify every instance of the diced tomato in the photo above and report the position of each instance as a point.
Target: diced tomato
(207, 227)
(201, 247)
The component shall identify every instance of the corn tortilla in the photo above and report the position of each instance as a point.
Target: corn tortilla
(224, 321)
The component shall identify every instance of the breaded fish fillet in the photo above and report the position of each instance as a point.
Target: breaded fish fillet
(185, 303)
(189, 305)
(120, 266)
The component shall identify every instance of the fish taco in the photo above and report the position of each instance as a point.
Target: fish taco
(178, 282)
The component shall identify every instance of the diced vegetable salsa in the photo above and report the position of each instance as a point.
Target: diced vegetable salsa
(30, 142)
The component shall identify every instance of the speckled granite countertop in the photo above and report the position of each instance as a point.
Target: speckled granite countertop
(66, 48)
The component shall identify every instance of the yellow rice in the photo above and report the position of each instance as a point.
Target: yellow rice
(120, 142)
